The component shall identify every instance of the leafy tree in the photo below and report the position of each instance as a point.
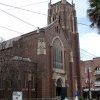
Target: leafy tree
(93, 13)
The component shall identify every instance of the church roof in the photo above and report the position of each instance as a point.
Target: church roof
(8, 43)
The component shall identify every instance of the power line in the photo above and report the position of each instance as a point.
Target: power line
(86, 25)
(88, 52)
(22, 9)
(34, 11)
(19, 18)
(10, 29)
(31, 4)
(82, 54)
(83, 24)
(86, 55)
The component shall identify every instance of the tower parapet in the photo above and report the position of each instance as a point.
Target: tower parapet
(65, 13)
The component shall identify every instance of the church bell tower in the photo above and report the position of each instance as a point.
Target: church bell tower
(65, 13)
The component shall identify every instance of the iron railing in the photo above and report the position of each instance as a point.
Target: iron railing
(57, 98)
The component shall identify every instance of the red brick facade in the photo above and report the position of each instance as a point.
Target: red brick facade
(39, 48)
(90, 74)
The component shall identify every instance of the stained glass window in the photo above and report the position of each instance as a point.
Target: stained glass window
(57, 54)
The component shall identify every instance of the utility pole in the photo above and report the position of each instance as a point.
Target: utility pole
(89, 85)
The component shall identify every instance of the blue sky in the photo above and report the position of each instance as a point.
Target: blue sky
(89, 39)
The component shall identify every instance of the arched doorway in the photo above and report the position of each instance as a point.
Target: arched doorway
(58, 87)
(61, 90)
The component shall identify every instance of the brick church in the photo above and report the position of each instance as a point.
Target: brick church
(44, 63)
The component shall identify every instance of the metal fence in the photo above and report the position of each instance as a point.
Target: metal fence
(58, 98)
(42, 98)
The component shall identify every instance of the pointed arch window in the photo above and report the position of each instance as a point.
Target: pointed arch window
(57, 54)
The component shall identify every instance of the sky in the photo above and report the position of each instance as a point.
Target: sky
(15, 22)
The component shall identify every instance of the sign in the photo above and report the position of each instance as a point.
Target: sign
(17, 95)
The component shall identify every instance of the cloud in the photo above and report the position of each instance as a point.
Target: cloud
(81, 8)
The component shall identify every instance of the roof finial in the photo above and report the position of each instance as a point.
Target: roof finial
(50, 1)
(63, 1)
(72, 2)
(38, 30)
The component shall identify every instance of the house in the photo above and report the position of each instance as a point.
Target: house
(90, 78)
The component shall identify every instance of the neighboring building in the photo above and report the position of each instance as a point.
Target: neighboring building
(55, 51)
(90, 78)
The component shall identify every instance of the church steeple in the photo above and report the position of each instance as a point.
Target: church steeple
(64, 12)
(49, 13)
(50, 1)
(72, 2)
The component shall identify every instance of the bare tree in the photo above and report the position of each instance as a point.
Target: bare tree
(17, 72)
(5, 60)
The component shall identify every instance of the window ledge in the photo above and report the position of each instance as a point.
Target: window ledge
(59, 70)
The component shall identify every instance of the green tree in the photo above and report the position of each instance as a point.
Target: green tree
(93, 13)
